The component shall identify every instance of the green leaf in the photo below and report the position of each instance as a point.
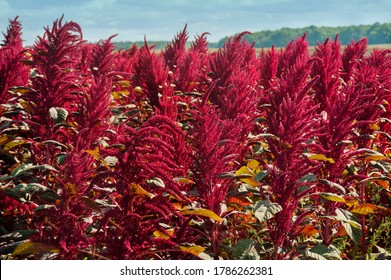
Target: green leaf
(17, 235)
(260, 175)
(26, 169)
(58, 114)
(350, 223)
(30, 247)
(25, 191)
(314, 256)
(332, 184)
(246, 249)
(49, 196)
(331, 197)
(43, 207)
(264, 210)
(307, 178)
(61, 158)
(329, 253)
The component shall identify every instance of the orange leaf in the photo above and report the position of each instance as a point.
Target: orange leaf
(137, 189)
(365, 209)
(309, 230)
(239, 202)
(96, 155)
(183, 180)
(384, 184)
(375, 157)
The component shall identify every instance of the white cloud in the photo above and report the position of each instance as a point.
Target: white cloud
(161, 20)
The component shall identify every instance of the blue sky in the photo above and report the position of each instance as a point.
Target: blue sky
(161, 20)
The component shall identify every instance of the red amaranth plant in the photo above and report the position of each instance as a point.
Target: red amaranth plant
(12, 70)
(54, 60)
(149, 161)
(234, 68)
(293, 122)
(95, 102)
(192, 67)
(151, 74)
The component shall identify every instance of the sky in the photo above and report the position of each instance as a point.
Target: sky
(161, 20)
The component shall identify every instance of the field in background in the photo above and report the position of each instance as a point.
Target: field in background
(311, 48)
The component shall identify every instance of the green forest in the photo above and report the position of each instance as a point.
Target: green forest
(377, 33)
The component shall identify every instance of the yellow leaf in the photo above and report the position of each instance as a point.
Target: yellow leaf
(365, 209)
(30, 247)
(202, 212)
(194, 250)
(13, 144)
(332, 197)
(351, 202)
(94, 153)
(320, 157)
(119, 94)
(253, 164)
(159, 234)
(246, 175)
(137, 189)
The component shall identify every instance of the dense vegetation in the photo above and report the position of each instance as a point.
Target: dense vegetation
(186, 153)
(376, 34)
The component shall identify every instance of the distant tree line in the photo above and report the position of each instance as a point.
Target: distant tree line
(127, 44)
(377, 33)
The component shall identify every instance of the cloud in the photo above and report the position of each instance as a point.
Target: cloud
(161, 20)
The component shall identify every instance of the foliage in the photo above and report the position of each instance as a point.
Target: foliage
(191, 154)
(377, 33)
